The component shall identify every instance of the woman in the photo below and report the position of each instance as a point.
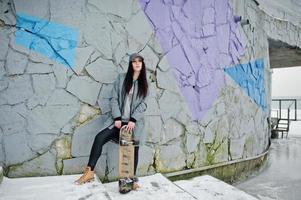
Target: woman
(128, 104)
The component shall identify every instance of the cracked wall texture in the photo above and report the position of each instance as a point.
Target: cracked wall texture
(202, 109)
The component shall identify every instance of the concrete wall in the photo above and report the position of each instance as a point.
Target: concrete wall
(288, 10)
(210, 81)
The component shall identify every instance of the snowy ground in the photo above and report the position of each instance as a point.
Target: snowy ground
(50, 187)
(295, 129)
(155, 187)
(281, 180)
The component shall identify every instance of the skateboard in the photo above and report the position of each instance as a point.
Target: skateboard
(126, 161)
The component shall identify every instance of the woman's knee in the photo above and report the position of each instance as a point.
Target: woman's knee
(102, 136)
(98, 137)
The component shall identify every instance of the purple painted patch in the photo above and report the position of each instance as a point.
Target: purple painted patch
(199, 38)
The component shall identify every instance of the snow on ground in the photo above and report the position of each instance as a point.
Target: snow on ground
(50, 188)
(281, 180)
(155, 187)
(208, 187)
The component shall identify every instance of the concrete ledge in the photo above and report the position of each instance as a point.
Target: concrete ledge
(229, 172)
(159, 187)
(208, 187)
(51, 188)
(152, 187)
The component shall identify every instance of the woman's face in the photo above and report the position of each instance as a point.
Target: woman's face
(137, 64)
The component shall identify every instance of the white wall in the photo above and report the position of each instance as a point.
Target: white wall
(286, 82)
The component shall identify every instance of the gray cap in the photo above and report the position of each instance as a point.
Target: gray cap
(135, 55)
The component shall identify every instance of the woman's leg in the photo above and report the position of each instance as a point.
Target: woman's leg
(100, 139)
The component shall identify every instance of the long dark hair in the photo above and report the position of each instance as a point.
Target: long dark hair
(142, 82)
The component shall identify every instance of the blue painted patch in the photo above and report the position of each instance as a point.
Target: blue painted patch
(250, 77)
(56, 41)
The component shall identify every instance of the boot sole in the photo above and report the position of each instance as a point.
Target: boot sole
(87, 181)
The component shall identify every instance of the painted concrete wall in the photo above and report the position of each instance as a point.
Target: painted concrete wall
(210, 81)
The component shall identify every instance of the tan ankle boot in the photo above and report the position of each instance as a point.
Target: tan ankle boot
(88, 176)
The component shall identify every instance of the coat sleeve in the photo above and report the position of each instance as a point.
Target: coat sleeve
(116, 113)
(139, 110)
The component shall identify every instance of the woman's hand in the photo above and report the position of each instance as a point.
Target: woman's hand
(130, 127)
(117, 124)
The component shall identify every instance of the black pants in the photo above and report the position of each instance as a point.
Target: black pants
(102, 138)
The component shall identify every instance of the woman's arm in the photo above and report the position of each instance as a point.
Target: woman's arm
(116, 113)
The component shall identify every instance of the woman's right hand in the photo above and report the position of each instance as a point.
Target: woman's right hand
(117, 124)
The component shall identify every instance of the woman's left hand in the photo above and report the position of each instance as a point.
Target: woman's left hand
(130, 127)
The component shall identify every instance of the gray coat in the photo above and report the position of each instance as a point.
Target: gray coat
(138, 107)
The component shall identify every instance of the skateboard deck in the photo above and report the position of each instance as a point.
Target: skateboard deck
(126, 160)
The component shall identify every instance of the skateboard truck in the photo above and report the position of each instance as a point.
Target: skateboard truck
(125, 143)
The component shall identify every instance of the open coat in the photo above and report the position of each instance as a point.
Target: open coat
(138, 107)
